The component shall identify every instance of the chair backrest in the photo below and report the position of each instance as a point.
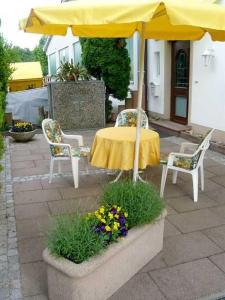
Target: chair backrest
(52, 131)
(199, 154)
(128, 117)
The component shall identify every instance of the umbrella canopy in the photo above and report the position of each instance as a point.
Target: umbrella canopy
(153, 19)
(166, 20)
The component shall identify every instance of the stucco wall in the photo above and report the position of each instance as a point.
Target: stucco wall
(77, 105)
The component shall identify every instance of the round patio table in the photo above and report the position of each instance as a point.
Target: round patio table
(114, 148)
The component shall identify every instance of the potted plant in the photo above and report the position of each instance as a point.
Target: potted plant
(22, 131)
(90, 257)
(70, 72)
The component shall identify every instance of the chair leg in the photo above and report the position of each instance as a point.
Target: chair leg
(59, 167)
(51, 170)
(174, 180)
(195, 185)
(75, 170)
(202, 177)
(163, 180)
(87, 169)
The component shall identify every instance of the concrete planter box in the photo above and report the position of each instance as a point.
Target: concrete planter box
(22, 136)
(101, 276)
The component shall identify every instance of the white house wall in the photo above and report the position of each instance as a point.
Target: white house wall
(59, 42)
(208, 85)
(156, 76)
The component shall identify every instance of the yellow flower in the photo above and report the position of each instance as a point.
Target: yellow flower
(118, 208)
(103, 221)
(107, 228)
(125, 214)
(115, 206)
(116, 216)
(102, 210)
(110, 216)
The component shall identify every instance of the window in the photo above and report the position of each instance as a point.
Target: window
(52, 64)
(130, 48)
(157, 63)
(63, 55)
(77, 52)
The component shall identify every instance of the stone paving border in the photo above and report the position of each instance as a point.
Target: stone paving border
(10, 279)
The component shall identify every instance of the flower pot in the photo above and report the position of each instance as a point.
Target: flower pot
(22, 136)
(102, 275)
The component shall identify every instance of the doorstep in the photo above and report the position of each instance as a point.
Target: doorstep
(169, 126)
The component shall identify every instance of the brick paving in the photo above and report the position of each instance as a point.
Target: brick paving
(191, 265)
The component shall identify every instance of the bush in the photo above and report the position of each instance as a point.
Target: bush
(140, 200)
(72, 237)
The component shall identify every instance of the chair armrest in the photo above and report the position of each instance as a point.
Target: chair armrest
(173, 155)
(61, 145)
(77, 137)
(187, 145)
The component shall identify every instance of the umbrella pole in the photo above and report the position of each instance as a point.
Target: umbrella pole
(139, 105)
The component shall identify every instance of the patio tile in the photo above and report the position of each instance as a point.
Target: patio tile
(220, 179)
(218, 170)
(139, 287)
(29, 211)
(16, 158)
(170, 210)
(36, 196)
(34, 280)
(219, 260)
(22, 152)
(82, 205)
(209, 186)
(196, 220)
(23, 164)
(208, 163)
(30, 171)
(156, 263)
(37, 297)
(219, 210)
(170, 229)
(217, 234)
(72, 193)
(30, 250)
(56, 183)
(190, 281)
(173, 190)
(30, 228)
(27, 186)
(186, 203)
(187, 247)
(218, 196)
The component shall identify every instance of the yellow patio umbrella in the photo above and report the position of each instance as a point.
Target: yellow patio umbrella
(153, 19)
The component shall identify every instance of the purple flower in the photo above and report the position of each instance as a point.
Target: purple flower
(122, 220)
(113, 211)
(123, 231)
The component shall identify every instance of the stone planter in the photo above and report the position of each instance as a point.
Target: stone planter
(101, 276)
(22, 136)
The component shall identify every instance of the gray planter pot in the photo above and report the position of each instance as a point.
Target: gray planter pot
(22, 136)
(101, 276)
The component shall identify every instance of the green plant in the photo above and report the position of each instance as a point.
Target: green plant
(108, 59)
(140, 200)
(74, 238)
(70, 72)
(22, 127)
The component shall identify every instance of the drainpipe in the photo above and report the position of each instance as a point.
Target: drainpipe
(146, 76)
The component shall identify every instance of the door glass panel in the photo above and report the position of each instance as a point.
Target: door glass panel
(181, 69)
(181, 106)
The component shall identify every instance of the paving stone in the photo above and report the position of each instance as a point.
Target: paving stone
(37, 297)
(23, 164)
(36, 196)
(188, 247)
(190, 280)
(82, 205)
(196, 220)
(72, 193)
(219, 260)
(56, 183)
(30, 171)
(35, 227)
(186, 203)
(219, 210)
(156, 263)
(218, 196)
(24, 158)
(27, 186)
(34, 279)
(29, 211)
(217, 234)
(140, 287)
(30, 250)
(4, 293)
(170, 229)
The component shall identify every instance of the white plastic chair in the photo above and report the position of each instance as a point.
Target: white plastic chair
(128, 117)
(61, 151)
(187, 163)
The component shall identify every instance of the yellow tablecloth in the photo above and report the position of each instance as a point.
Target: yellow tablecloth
(114, 148)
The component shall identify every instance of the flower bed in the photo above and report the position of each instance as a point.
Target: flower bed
(105, 243)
